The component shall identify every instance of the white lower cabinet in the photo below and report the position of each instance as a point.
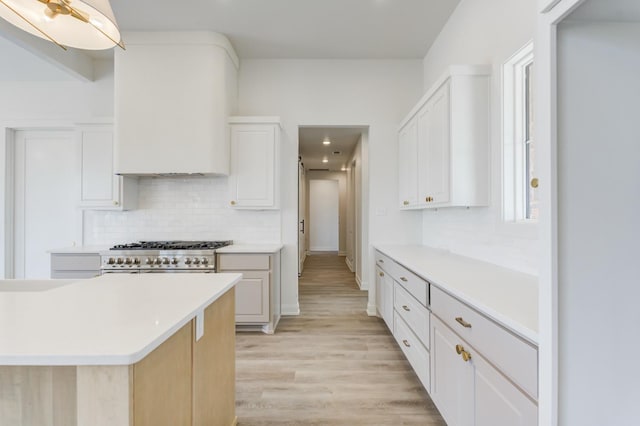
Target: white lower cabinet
(468, 390)
(258, 292)
(384, 296)
(414, 350)
(75, 265)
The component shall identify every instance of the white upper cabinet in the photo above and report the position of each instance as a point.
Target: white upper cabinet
(451, 149)
(100, 187)
(255, 152)
(174, 93)
(408, 164)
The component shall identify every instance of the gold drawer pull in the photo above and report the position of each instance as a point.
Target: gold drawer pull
(406, 203)
(233, 203)
(463, 322)
(382, 274)
(406, 308)
(406, 343)
(403, 279)
(380, 261)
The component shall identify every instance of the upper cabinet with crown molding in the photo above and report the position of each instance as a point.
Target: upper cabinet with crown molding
(444, 143)
(174, 92)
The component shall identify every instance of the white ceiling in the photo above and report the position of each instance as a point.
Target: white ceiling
(312, 150)
(300, 29)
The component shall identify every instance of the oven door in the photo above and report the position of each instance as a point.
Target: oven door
(177, 271)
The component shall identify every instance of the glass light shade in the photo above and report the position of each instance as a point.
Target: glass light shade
(101, 32)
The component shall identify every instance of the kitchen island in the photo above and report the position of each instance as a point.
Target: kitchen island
(119, 350)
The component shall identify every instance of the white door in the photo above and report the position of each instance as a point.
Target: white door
(323, 215)
(301, 218)
(47, 191)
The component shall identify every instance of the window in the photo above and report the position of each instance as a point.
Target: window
(520, 198)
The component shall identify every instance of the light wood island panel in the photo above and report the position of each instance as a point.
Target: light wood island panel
(182, 382)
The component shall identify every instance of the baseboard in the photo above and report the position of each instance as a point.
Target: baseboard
(342, 253)
(358, 282)
(372, 311)
(364, 285)
(349, 264)
(293, 309)
(323, 249)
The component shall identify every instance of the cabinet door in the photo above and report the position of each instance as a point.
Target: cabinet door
(100, 187)
(380, 291)
(434, 149)
(408, 165)
(253, 166)
(452, 387)
(497, 401)
(252, 297)
(387, 306)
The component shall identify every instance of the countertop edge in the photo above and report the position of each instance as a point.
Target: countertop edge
(508, 323)
(250, 248)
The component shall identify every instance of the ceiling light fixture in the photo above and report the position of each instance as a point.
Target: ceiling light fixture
(83, 24)
(324, 160)
(326, 141)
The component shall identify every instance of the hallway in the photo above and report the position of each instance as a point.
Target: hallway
(332, 365)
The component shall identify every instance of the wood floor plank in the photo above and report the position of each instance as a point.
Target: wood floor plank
(332, 365)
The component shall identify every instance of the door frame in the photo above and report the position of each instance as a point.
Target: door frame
(8, 130)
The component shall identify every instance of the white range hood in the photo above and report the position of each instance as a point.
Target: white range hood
(173, 94)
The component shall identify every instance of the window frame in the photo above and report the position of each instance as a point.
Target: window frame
(515, 179)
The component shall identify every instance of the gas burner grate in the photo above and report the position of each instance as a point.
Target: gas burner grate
(173, 245)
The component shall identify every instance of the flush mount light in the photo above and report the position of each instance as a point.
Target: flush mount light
(83, 24)
(326, 141)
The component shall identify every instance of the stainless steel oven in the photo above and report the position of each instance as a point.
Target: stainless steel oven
(153, 257)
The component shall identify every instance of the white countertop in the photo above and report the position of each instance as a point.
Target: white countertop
(251, 248)
(509, 297)
(115, 319)
(79, 249)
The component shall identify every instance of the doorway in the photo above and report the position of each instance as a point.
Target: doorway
(324, 212)
(46, 185)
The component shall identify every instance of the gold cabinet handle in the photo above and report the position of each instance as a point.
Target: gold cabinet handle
(462, 322)
(406, 308)
(404, 279)
(466, 356)
(534, 182)
(380, 261)
(382, 274)
(406, 343)
(233, 203)
(406, 203)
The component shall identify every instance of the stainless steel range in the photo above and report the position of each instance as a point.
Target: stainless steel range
(161, 256)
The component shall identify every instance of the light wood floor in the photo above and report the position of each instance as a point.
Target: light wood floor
(332, 365)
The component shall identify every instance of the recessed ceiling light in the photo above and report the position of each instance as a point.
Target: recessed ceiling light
(326, 141)
(344, 169)
(324, 160)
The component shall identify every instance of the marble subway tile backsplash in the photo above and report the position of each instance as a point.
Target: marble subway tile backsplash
(181, 208)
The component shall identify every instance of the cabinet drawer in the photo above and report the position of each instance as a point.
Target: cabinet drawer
(415, 315)
(75, 262)
(513, 356)
(415, 285)
(416, 354)
(243, 262)
(387, 264)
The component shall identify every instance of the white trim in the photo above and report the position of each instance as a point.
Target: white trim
(514, 179)
(372, 311)
(349, 263)
(290, 309)
(358, 282)
(342, 253)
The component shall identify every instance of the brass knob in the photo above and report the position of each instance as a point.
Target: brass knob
(406, 203)
(426, 199)
(466, 356)
(382, 274)
(233, 203)
(534, 182)
(115, 203)
(459, 349)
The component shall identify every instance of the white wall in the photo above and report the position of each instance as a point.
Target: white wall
(483, 32)
(374, 93)
(341, 177)
(598, 201)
